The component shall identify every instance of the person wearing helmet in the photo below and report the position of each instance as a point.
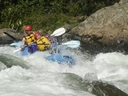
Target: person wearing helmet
(42, 42)
(29, 39)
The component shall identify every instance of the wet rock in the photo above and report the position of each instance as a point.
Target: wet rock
(91, 84)
(108, 27)
(8, 36)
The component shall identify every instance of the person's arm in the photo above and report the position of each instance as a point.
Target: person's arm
(23, 43)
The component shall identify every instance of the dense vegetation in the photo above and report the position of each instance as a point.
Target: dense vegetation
(46, 14)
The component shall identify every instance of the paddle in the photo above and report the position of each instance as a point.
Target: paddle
(59, 32)
(17, 50)
(16, 44)
(72, 43)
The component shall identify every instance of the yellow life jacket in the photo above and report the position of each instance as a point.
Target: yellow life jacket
(42, 43)
(30, 39)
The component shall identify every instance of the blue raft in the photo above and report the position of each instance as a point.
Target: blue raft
(53, 57)
(29, 50)
(61, 59)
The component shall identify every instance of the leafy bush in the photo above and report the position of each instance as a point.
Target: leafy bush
(46, 14)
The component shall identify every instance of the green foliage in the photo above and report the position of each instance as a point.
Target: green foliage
(46, 14)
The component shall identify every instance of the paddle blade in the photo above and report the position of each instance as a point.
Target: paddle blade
(16, 44)
(72, 43)
(58, 32)
(16, 50)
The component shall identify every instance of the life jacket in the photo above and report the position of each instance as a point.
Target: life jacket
(30, 39)
(42, 43)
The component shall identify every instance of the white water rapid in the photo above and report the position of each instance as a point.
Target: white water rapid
(47, 78)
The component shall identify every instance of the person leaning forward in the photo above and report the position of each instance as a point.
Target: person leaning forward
(29, 40)
(42, 42)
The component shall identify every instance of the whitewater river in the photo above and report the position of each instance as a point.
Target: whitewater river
(47, 78)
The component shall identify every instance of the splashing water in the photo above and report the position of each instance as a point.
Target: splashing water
(47, 78)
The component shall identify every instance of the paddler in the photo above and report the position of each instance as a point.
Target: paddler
(29, 40)
(42, 42)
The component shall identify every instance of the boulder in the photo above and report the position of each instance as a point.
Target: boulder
(8, 36)
(106, 27)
